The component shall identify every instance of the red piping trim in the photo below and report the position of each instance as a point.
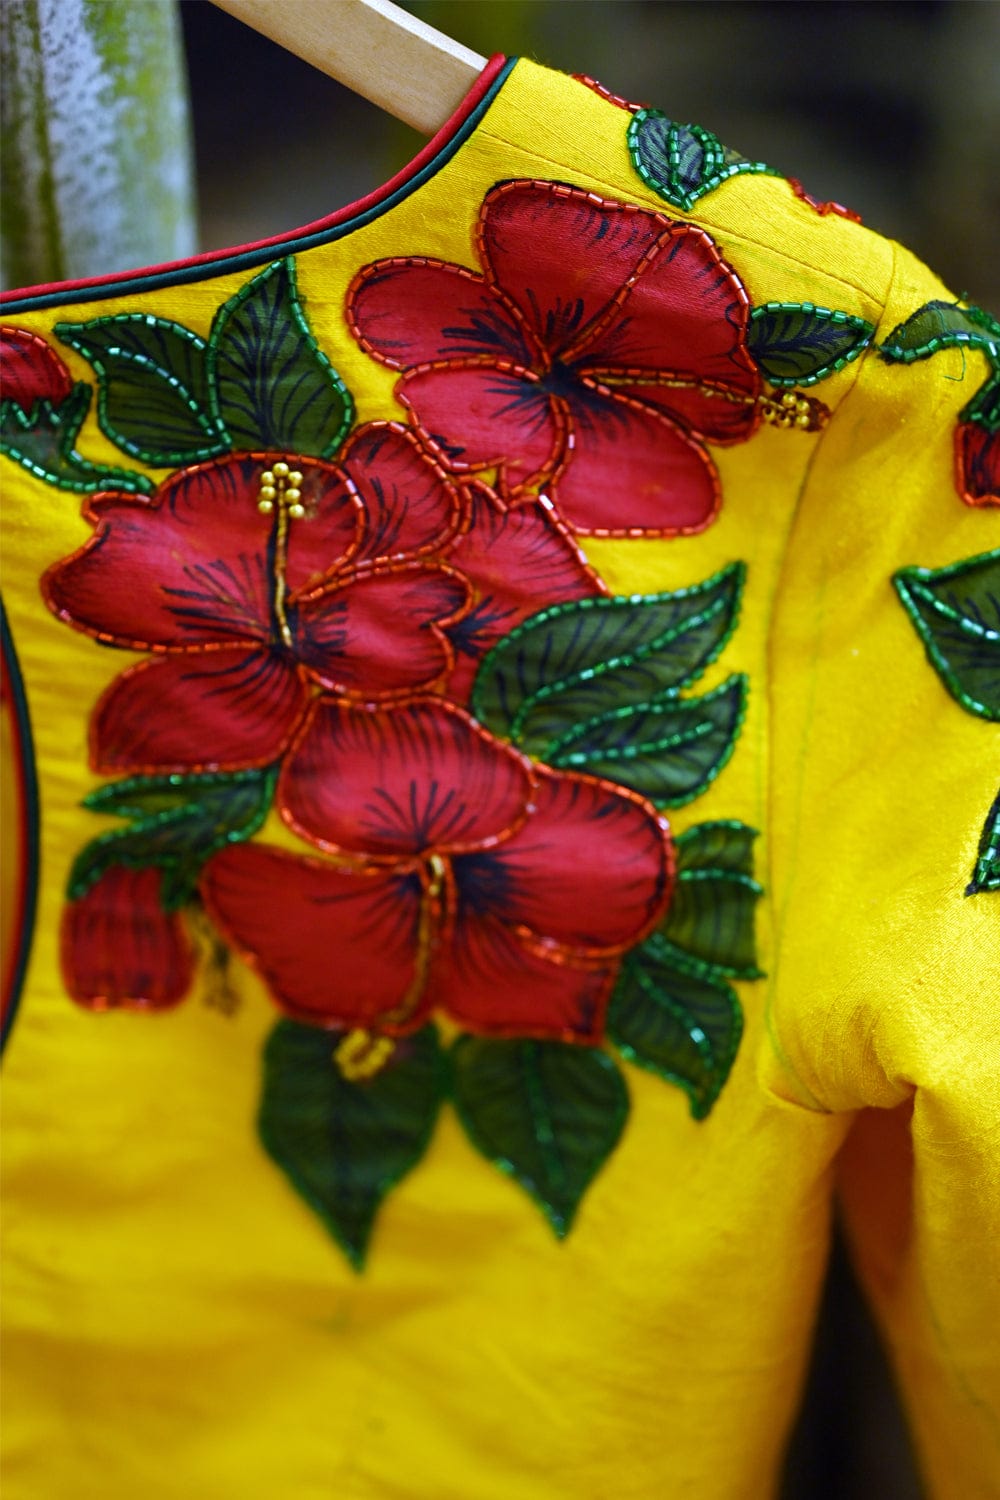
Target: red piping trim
(361, 205)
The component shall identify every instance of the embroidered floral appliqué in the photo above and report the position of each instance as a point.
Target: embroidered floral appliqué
(947, 325)
(956, 613)
(389, 637)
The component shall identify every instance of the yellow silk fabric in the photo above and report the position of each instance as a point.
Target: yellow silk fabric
(179, 1323)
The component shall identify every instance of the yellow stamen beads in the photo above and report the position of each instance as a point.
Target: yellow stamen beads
(792, 409)
(280, 483)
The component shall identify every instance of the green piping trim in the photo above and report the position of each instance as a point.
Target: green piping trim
(262, 254)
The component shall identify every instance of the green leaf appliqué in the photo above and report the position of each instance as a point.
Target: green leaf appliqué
(153, 397)
(344, 1144)
(711, 916)
(677, 1022)
(682, 162)
(984, 408)
(672, 1010)
(725, 845)
(795, 343)
(43, 442)
(548, 1113)
(272, 386)
(178, 822)
(941, 325)
(669, 750)
(986, 875)
(956, 612)
(590, 658)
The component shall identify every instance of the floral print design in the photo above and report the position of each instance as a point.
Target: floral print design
(250, 613)
(599, 349)
(32, 370)
(468, 870)
(313, 619)
(120, 949)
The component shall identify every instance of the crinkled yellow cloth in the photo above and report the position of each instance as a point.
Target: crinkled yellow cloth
(469, 577)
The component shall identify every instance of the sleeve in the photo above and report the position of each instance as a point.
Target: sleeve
(884, 1001)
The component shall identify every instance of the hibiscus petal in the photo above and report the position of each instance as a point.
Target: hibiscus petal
(685, 313)
(32, 370)
(211, 710)
(518, 561)
(706, 412)
(633, 473)
(121, 949)
(412, 312)
(335, 947)
(402, 782)
(381, 633)
(328, 535)
(590, 870)
(977, 463)
(561, 255)
(192, 567)
(479, 416)
(410, 507)
(491, 982)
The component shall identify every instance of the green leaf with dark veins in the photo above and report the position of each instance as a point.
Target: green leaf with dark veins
(153, 392)
(721, 845)
(683, 1025)
(669, 751)
(344, 1144)
(711, 921)
(44, 442)
(984, 408)
(179, 822)
(271, 385)
(682, 162)
(547, 1113)
(590, 657)
(795, 343)
(986, 875)
(956, 613)
(941, 325)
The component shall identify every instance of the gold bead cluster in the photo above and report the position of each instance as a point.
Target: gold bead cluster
(280, 483)
(790, 410)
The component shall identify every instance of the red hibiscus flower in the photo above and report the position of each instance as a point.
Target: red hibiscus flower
(470, 880)
(517, 561)
(599, 348)
(255, 596)
(30, 370)
(977, 460)
(121, 949)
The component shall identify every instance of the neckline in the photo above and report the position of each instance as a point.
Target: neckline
(439, 149)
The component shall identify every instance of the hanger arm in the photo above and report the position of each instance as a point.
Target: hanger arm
(374, 47)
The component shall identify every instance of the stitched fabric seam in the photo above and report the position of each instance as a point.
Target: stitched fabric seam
(778, 918)
(719, 232)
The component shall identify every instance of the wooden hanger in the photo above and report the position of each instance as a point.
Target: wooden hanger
(376, 48)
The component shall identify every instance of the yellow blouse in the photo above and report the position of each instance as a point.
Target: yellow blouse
(500, 678)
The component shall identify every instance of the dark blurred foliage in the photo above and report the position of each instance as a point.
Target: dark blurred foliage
(891, 108)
